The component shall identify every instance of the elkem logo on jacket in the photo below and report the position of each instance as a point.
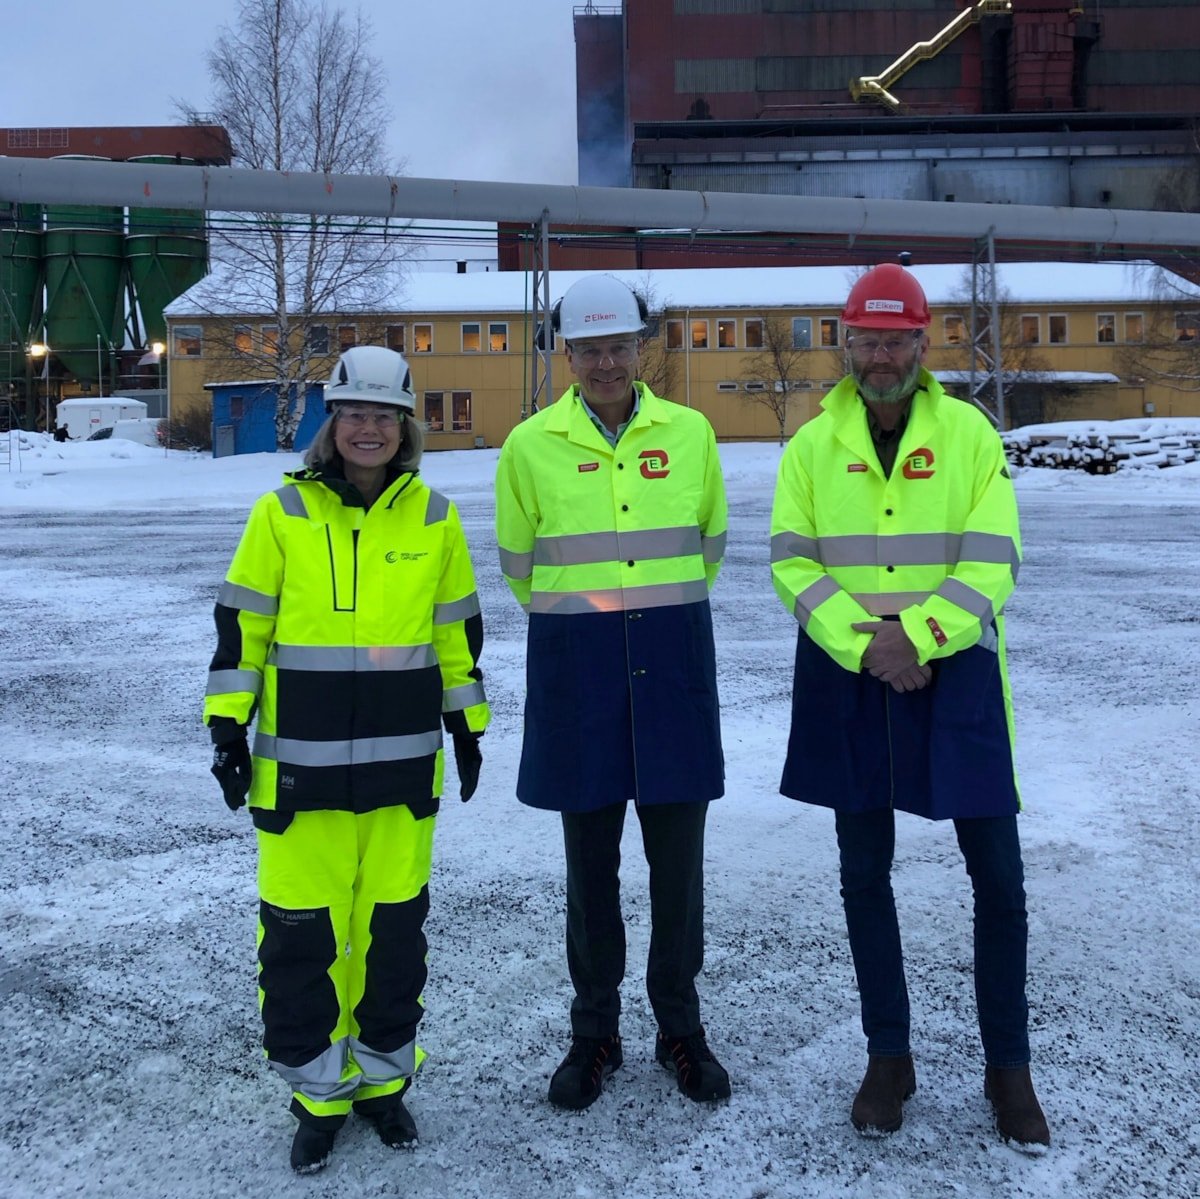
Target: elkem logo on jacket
(919, 464)
(654, 464)
(584, 467)
(855, 468)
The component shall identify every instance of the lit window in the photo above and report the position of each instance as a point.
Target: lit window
(498, 337)
(1031, 329)
(699, 335)
(318, 339)
(470, 338)
(270, 339)
(954, 330)
(1058, 328)
(460, 411)
(393, 338)
(727, 335)
(674, 335)
(1106, 327)
(189, 341)
(754, 333)
(1135, 327)
(801, 333)
(347, 337)
(422, 339)
(435, 412)
(1187, 326)
(243, 339)
(829, 331)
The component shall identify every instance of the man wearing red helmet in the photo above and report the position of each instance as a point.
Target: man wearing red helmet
(895, 544)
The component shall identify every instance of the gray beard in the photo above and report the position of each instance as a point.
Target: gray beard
(896, 393)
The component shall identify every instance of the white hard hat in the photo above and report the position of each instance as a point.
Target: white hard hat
(600, 306)
(371, 375)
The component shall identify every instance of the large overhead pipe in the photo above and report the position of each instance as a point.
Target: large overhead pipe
(225, 189)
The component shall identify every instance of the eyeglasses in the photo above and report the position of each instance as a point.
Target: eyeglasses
(619, 353)
(893, 344)
(359, 418)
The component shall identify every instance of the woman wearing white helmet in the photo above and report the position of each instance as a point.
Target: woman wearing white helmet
(349, 631)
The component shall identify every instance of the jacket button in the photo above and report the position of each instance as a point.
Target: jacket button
(620, 466)
(890, 569)
(887, 512)
(624, 507)
(630, 562)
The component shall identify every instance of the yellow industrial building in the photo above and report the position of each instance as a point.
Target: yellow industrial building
(1080, 341)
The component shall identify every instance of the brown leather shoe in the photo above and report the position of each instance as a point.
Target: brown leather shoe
(1019, 1118)
(879, 1105)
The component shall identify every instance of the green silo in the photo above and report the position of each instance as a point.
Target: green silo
(85, 301)
(167, 250)
(20, 284)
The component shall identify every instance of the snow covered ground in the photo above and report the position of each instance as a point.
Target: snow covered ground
(127, 896)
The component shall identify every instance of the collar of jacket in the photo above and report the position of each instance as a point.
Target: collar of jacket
(568, 416)
(350, 495)
(849, 414)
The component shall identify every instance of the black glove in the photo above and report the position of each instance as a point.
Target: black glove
(231, 768)
(468, 759)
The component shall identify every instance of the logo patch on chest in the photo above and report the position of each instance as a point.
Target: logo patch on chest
(919, 464)
(584, 467)
(654, 464)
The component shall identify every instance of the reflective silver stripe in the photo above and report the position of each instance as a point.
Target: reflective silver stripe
(291, 501)
(245, 599)
(890, 603)
(352, 657)
(967, 598)
(618, 599)
(812, 596)
(466, 696)
(990, 547)
(438, 508)
(514, 565)
(347, 753)
(989, 640)
(458, 610)
(900, 549)
(227, 682)
(713, 548)
(321, 1078)
(378, 1066)
(792, 545)
(580, 549)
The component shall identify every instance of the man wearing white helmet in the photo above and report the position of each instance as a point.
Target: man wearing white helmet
(895, 545)
(610, 517)
(348, 628)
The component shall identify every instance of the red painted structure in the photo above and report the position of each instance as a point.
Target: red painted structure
(207, 145)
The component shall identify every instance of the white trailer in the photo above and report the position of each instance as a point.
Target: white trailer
(83, 416)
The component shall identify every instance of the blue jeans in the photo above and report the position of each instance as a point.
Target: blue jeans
(992, 852)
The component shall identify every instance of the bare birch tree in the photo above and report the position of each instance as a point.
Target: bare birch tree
(656, 368)
(298, 89)
(774, 370)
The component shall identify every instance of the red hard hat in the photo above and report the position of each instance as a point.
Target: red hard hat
(887, 297)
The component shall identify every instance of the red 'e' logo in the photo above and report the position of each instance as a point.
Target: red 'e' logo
(654, 464)
(919, 464)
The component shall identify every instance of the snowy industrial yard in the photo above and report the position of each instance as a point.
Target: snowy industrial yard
(127, 896)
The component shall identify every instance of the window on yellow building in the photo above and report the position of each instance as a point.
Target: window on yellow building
(498, 337)
(674, 335)
(801, 333)
(347, 337)
(188, 341)
(829, 331)
(270, 339)
(1031, 329)
(422, 339)
(727, 335)
(1135, 327)
(243, 339)
(460, 411)
(470, 337)
(754, 333)
(699, 335)
(1058, 328)
(393, 338)
(954, 330)
(1106, 327)
(318, 339)
(435, 411)
(1187, 326)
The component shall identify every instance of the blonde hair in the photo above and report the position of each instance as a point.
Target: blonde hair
(324, 452)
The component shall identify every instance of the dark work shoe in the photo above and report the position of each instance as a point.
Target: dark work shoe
(879, 1105)
(393, 1122)
(580, 1076)
(699, 1075)
(1019, 1118)
(311, 1149)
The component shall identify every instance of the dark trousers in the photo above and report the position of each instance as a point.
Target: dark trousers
(673, 840)
(992, 852)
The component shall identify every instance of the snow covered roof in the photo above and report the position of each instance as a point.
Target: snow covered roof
(1045, 376)
(760, 287)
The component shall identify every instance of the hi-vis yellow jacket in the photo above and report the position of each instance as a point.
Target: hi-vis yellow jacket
(612, 552)
(355, 635)
(935, 545)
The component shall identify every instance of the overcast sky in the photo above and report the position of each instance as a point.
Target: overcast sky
(478, 89)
